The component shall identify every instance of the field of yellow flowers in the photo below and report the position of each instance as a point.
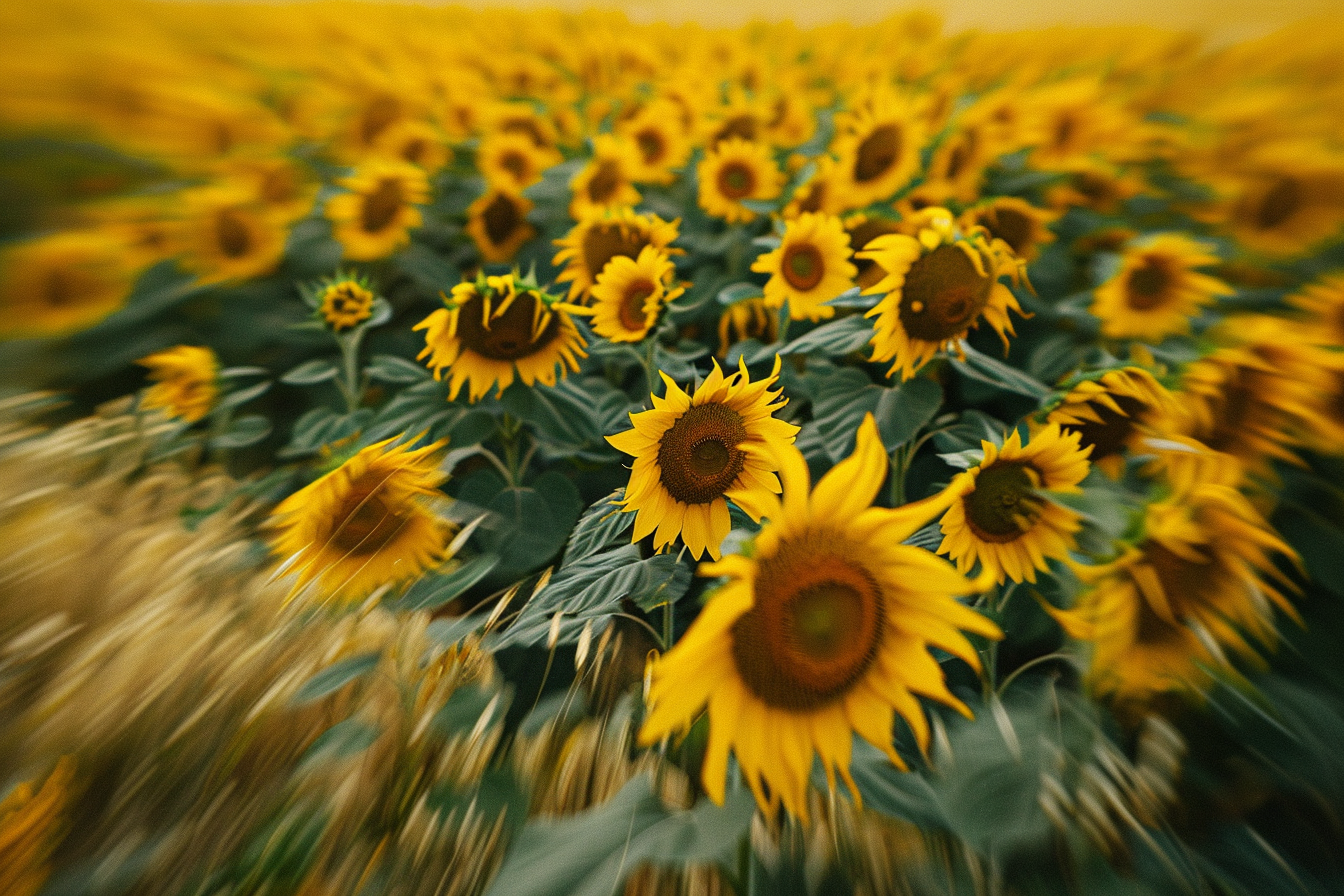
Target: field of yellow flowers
(528, 453)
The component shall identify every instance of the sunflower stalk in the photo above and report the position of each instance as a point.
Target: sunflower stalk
(351, 382)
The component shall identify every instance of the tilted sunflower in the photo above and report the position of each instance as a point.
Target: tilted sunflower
(62, 282)
(375, 217)
(879, 148)
(694, 453)
(497, 223)
(606, 182)
(185, 380)
(1113, 414)
(937, 286)
(366, 523)
(344, 301)
(1023, 226)
(1002, 520)
(822, 631)
(1157, 289)
(735, 170)
(603, 235)
(810, 267)
(630, 292)
(494, 326)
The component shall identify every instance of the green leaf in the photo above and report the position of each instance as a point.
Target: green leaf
(902, 411)
(528, 525)
(592, 853)
(393, 369)
(839, 337)
(466, 706)
(335, 677)
(242, 396)
(600, 527)
(886, 789)
(433, 591)
(562, 416)
(346, 738)
(309, 373)
(322, 426)
(736, 292)
(979, 366)
(841, 399)
(246, 430)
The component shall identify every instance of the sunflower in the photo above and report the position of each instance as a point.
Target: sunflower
(603, 235)
(1284, 198)
(1092, 183)
(494, 326)
(1074, 119)
(937, 286)
(747, 319)
(345, 302)
(32, 825)
(185, 381)
(283, 187)
(810, 267)
(230, 235)
(823, 630)
(819, 193)
(1196, 582)
(630, 292)
(513, 161)
(1322, 424)
(497, 223)
(661, 142)
(958, 164)
(1157, 289)
(416, 142)
(606, 182)
(1023, 226)
(862, 230)
(1112, 414)
(735, 170)
(366, 523)
(374, 219)
(1322, 306)
(62, 282)
(879, 150)
(1003, 520)
(694, 453)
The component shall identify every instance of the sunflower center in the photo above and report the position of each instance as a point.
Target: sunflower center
(1279, 203)
(1011, 226)
(501, 219)
(366, 523)
(815, 627)
(1108, 436)
(515, 163)
(603, 242)
(234, 238)
(378, 116)
(877, 153)
(415, 150)
(743, 126)
(527, 127)
(869, 271)
(632, 304)
(1149, 285)
(813, 197)
(736, 180)
(943, 294)
(652, 146)
(59, 289)
(1183, 581)
(509, 336)
(1066, 128)
(606, 180)
(803, 266)
(381, 206)
(279, 186)
(1004, 504)
(699, 455)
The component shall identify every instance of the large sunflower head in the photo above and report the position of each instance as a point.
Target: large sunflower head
(937, 286)
(879, 149)
(1003, 520)
(863, 229)
(630, 292)
(695, 452)
(494, 326)
(822, 631)
(810, 267)
(1158, 288)
(1112, 413)
(365, 524)
(497, 223)
(735, 170)
(62, 282)
(375, 217)
(603, 235)
(186, 381)
(607, 181)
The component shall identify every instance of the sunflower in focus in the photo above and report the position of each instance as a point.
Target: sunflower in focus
(822, 631)
(345, 302)
(810, 267)
(862, 230)
(630, 292)
(1023, 226)
(63, 282)
(735, 170)
(1113, 414)
(185, 381)
(497, 223)
(606, 182)
(1003, 520)
(494, 327)
(375, 217)
(603, 235)
(879, 148)
(365, 524)
(694, 453)
(1157, 289)
(937, 286)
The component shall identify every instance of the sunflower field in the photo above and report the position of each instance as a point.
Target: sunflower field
(529, 453)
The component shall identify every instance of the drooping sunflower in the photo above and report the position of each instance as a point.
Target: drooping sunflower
(365, 524)
(228, 234)
(694, 453)
(1023, 226)
(862, 230)
(1157, 289)
(493, 327)
(1162, 615)
(1113, 414)
(603, 235)
(735, 170)
(375, 217)
(937, 286)
(1002, 520)
(630, 292)
(607, 181)
(879, 149)
(185, 381)
(497, 223)
(821, 632)
(810, 267)
(344, 302)
(513, 161)
(59, 283)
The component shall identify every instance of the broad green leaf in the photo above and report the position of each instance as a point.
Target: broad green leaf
(394, 369)
(736, 292)
(243, 396)
(433, 591)
(323, 426)
(244, 431)
(335, 677)
(466, 706)
(343, 739)
(838, 337)
(842, 398)
(318, 370)
(600, 527)
(979, 366)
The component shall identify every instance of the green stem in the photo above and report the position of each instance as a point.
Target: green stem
(650, 371)
(352, 389)
(900, 460)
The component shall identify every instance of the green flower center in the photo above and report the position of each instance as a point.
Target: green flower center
(1004, 504)
(803, 266)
